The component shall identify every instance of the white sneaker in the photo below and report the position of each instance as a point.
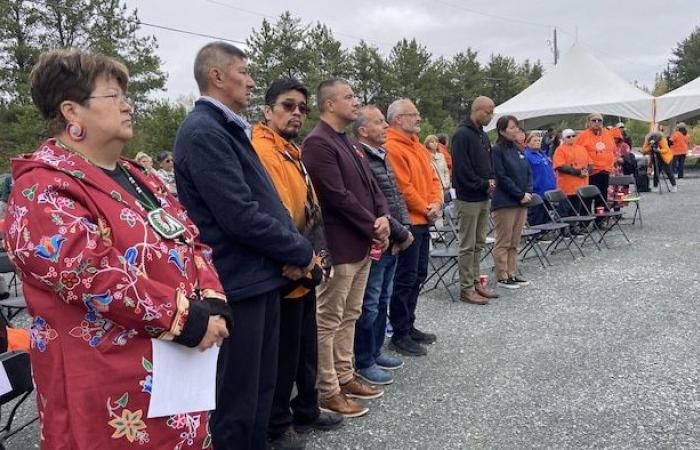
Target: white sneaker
(654, 189)
(674, 188)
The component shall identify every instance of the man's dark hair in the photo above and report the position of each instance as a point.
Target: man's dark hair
(279, 87)
(323, 92)
(442, 138)
(213, 54)
(501, 126)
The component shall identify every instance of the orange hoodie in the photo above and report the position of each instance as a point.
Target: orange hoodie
(600, 148)
(415, 175)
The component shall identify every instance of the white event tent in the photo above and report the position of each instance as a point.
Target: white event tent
(680, 103)
(579, 84)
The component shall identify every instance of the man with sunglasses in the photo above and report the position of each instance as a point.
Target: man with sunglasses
(285, 112)
(599, 144)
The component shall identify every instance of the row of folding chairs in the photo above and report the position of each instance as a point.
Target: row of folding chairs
(570, 229)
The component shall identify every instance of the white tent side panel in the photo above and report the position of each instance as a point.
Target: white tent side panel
(680, 103)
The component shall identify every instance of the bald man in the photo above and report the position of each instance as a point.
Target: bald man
(474, 182)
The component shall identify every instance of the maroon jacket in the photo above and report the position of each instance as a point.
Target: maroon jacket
(349, 195)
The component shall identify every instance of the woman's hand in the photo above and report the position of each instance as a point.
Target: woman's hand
(216, 333)
(526, 198)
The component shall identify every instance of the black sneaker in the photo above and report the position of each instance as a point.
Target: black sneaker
(326, 421)
(519, 281)
(407, 346)
(508, 284)
(422, 338)
(289, 440)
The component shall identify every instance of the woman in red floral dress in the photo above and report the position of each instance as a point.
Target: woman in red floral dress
(109, 260)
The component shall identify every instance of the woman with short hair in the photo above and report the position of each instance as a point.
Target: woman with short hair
(509, 203)
(109, 262)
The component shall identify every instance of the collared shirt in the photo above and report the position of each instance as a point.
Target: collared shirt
(228, 114)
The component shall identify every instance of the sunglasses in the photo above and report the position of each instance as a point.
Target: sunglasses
(569, 137)
(596, 120)
(290, 106)
(168, 160)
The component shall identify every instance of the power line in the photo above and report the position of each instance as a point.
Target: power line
(193, 33)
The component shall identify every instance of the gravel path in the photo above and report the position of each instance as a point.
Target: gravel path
(603, 352)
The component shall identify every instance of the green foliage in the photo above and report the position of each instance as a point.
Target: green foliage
(21, 131)
(156, 128)
(441, 88)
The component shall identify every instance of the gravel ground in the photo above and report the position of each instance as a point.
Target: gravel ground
(603, 352)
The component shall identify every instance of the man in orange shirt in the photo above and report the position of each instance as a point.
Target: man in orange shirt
(442, 147)
(572, 165)
(421, 189)
(679, 147)
(600, 146)
(285, 112)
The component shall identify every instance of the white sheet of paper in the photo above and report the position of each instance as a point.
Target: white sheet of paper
(184, 379)
(5, 385)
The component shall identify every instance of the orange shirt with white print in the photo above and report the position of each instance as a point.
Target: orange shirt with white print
(575, 156)
(417, 180)
(600, 148)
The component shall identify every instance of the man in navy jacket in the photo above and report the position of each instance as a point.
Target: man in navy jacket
(256, 247)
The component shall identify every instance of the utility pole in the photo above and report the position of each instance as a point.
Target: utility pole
(556, 49)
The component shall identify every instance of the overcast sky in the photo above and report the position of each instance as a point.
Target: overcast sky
(633, 37)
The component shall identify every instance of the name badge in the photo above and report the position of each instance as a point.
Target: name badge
(165, 224)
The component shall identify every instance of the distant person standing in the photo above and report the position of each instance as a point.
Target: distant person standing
(543, 177)
(442, 146)
(166, 170)
(474, 182)
(599, 144)
(572, 163)
(439, 163)
(509, 205)
(679, 148)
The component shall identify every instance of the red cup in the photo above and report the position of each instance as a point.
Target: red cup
(375, 253)
(483, 280)
(600, 210)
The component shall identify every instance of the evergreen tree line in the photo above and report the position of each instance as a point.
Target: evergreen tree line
(441, 87)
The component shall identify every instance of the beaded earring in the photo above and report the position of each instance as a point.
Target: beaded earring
(76, 131)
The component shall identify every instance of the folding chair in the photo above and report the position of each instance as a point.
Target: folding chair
(13, 305)
(586, 223)
(444, 260)
(612, 218)
(531, 237)
(631, 198)
(559, 231)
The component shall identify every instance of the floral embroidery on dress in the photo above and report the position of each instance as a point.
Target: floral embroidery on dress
(147, 383)
(49, 247)
(178, 257)
(41, 334)
(189, 424)
(128, 424)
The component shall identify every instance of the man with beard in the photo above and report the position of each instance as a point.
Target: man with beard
(285, 112)
(354, 214)
(421, 189)
(256, 247)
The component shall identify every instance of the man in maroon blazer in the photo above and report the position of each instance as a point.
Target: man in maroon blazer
(354, 212)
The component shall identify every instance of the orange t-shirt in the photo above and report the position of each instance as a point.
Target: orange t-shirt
(575, 156)
(680, 143)
(600, 148)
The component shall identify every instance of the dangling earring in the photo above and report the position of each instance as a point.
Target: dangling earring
(76, 131)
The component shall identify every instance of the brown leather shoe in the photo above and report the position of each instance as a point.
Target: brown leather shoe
(485, 292)
(357, 389)
(472, 297)
(342, 405)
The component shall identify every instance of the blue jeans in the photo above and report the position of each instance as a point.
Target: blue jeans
(370, 327)
(411, 272)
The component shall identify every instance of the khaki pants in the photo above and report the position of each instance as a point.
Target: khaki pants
(473, 228)
(508, 227)
(338, 307)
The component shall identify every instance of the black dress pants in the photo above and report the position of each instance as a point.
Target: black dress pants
(246, 374)
(297, 362)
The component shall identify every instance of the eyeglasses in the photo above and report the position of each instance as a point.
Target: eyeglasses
(168, 160)
(596, 120)
(115, 97)
(291, 106)
(569, 137)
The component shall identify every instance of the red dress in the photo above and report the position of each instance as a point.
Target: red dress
(100, 283)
